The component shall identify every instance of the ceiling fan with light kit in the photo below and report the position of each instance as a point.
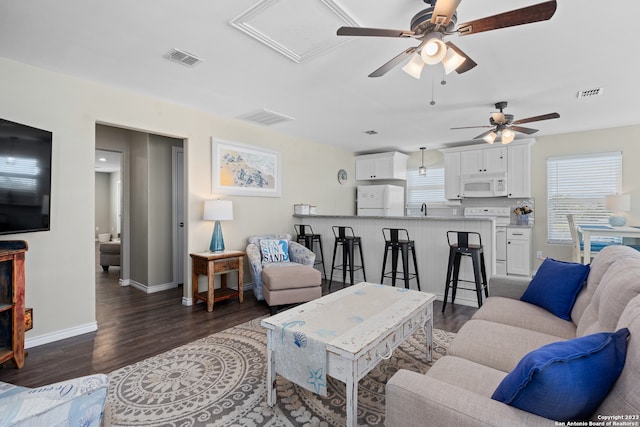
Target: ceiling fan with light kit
(503, 127)
(431, 25)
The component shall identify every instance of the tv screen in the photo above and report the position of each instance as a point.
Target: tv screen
(25, 178)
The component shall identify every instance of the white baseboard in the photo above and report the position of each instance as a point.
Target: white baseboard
(151, 289)
(187, 301)
(124, 282)
(60, 335)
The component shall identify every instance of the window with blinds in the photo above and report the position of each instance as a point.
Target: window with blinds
(578, 185)
(425, 189)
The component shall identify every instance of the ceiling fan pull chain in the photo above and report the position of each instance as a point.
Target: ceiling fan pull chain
(432, 101)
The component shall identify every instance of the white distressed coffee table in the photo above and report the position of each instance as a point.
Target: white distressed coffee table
(355, 352)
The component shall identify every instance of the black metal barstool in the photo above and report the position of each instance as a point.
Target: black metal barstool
(346, 238)
(397, 240)
(307, 237)
(465, 243)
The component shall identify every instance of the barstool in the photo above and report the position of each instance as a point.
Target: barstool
(397, 239)
(466, 243)
(346, 238)
(307, 237)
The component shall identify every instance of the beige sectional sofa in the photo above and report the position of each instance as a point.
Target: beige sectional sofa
(457, 389)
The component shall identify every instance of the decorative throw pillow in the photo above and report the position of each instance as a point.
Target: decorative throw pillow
(566, 380)
(274, 250)
(556, 285)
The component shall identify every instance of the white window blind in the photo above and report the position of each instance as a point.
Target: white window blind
(425, 189)
(577, 185)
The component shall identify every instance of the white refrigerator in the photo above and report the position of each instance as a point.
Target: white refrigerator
(380, 200)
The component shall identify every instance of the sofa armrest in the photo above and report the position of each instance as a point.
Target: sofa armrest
(301, 254)
(79, 401)
(508, 286)
(414, 399)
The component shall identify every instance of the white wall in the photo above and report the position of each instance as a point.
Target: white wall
(60, 262)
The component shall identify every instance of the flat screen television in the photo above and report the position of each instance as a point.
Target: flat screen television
(25, 178)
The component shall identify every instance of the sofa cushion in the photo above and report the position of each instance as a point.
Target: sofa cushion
(274, 250)
(619, 285)
(559, 381)
(290, 276)
(496, 345)
(556, 285)
(509, 311)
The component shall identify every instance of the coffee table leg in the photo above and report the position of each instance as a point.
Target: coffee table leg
(428, 331)
(271, 370)
(352, 398)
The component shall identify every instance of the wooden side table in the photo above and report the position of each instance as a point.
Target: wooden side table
(211, 264)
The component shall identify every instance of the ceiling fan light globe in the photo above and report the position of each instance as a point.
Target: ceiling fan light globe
(452, 60)
(414, 67)
(490, 137)
(433, 50)
(498, 117)
(507, 136)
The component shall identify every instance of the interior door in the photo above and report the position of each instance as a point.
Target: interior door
(178, 214)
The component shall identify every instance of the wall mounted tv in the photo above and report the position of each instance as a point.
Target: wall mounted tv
(25, 178)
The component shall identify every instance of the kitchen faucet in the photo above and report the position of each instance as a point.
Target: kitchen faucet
(424, 209)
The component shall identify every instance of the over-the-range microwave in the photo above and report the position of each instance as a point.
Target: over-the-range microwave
(484, 185)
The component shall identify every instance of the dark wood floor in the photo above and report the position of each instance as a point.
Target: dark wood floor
(133, 325)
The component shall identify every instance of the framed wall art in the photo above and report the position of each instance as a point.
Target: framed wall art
(245, 170)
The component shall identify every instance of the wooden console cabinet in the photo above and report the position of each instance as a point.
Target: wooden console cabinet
(12, 301)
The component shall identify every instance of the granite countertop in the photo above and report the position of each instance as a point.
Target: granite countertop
(419, 218)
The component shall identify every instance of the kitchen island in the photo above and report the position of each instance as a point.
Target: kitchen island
(432, 250)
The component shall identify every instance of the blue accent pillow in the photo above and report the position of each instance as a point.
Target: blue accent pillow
(555, 286)
(274, 250)
(566, 380)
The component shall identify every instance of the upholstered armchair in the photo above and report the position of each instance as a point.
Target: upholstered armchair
(76, 402)
(282, 270)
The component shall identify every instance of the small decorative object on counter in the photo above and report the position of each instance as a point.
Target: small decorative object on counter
(301, 209)
(522, 214)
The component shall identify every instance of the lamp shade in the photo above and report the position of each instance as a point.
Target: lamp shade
(414, 67)
(618, 202)
(434, 49)
(218, 210)
(452, 60)
(507, 136)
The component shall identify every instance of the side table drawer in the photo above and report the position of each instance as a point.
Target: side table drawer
(226, 264)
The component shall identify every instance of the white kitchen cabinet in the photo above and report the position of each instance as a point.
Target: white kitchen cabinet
(392, 165)
(519, 251)
(519, 171)
(484, 160)
(452, 176)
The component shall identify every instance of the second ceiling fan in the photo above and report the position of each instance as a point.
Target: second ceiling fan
(504, 127)
(432, 24)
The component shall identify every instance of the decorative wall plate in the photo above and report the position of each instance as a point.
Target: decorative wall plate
(342, 176)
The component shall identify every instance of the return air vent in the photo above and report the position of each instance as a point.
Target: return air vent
(589, 93)
(265, 117)
(183, 58)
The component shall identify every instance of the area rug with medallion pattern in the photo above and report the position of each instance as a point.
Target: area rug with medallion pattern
(220, 381)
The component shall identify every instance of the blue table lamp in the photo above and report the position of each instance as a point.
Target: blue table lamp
(617, 203)
(217, 210)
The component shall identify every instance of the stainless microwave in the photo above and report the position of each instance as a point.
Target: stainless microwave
(484, 185)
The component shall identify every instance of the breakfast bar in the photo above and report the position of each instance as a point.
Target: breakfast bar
(431, 247)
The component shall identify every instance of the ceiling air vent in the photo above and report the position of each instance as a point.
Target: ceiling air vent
(183, 58)
(590, 93)
(265, 117)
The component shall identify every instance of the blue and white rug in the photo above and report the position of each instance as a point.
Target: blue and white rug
(220, 381)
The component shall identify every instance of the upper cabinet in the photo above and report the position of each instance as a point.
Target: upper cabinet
(452, 176)
(514, 160)
(484, 160)
(392, 165)
(519, 172)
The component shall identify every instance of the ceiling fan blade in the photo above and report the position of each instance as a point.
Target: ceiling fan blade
(373, 32)
(395, 61)
(468, 62)
(522, 129)
(483, 134)
(537, 118)
(526, 15)
(443, 11)
(472, 127)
